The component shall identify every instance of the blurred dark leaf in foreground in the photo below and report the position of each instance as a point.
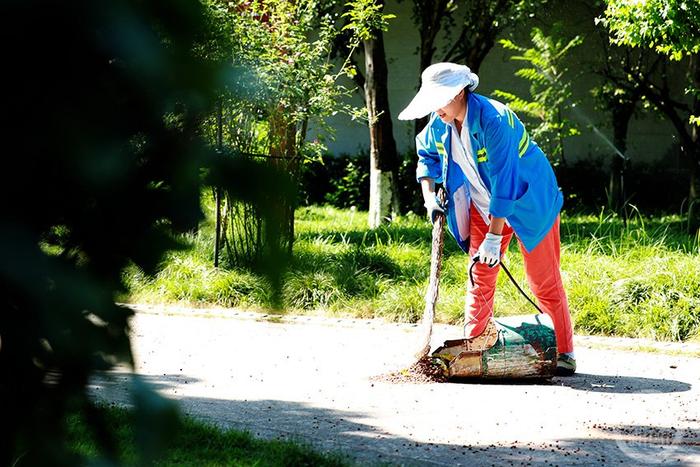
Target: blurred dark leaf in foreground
(101, 167)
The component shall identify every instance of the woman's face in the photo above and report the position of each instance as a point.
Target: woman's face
(453, 109)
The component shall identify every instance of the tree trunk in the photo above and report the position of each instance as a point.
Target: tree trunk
(621, 116)
(560, 139)
(694, 152)
(283, 146)
(219, 148)
(478, 53)
(384, 161)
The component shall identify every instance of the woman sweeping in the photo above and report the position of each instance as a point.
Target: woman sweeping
(498, 183)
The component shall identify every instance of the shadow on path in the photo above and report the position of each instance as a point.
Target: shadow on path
(354, 434)
(591, 383)
(621, 384)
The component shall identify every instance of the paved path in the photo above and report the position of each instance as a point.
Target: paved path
(309, 379)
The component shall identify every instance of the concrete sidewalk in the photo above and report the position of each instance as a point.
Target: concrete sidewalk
(309, 379)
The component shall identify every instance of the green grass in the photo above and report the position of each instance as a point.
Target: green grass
(639, 280)
(194, 443)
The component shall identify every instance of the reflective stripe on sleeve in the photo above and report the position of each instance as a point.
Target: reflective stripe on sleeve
(440, 148)
(524, 143)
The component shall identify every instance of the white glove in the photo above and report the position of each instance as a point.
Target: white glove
(434, 207)
(489, 251)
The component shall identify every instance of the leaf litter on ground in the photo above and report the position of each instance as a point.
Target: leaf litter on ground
(423, 371)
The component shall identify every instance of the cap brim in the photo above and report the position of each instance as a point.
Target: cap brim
(427, 101)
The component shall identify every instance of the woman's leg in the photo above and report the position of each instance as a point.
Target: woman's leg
(479, 307)
(544, 276)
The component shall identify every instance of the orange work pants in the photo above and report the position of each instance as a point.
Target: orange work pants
(543, 276)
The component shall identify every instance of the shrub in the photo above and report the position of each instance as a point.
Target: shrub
(341, 181)
(585, 183)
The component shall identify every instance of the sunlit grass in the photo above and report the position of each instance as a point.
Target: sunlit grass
(640, 278)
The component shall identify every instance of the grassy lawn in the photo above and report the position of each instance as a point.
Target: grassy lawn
(639, 280)
(196, 444)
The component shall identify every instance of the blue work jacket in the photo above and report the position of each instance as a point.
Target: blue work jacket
(513, 168)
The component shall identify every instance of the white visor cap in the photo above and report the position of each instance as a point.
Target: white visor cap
(440, 83)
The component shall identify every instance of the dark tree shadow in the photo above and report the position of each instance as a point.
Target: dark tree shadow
(352, 433)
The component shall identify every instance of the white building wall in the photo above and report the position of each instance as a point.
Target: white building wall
(649, 137)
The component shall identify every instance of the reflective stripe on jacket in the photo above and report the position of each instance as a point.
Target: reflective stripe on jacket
(514, 169)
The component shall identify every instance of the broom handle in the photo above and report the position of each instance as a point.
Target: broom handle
(431, 295)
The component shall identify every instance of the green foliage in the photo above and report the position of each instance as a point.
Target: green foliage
(365, 18)
(550, 88)
(611, 94)
(113, 181)
(341, 181)
(672, 27)
(352, 187)
(283, 84)
(286, 48)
